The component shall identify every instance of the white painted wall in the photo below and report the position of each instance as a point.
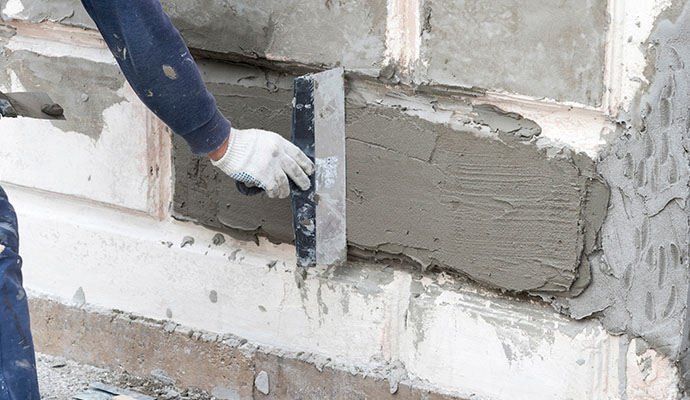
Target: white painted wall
(452, 338)
(115, 169)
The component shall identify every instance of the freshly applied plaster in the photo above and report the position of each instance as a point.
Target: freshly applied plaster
(251, 98)
(473, 194)
(495, 208)
(517, 46)
(640, 278)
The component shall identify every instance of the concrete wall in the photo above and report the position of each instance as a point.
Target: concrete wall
(462, 196)
(513, 147)
(538, 48)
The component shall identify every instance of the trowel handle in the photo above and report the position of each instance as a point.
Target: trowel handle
(246, 190)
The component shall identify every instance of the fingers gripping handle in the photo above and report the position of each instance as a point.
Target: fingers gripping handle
(247, 190)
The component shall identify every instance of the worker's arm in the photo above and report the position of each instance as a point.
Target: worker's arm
(160, 69)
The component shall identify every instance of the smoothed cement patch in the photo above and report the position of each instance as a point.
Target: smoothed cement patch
(251, 99)
(497, 209)
(349, 33)
(538, 48)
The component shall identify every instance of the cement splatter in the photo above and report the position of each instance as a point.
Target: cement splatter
(169, 72)
(218, 239)
(233, 255)
(187, 241)
(79, 297)
(261, 383)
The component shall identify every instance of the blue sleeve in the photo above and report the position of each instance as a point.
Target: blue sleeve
(160, 69)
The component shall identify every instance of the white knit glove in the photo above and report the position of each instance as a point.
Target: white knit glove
(266, 160)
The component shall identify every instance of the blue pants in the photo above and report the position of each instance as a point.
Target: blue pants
(18, 379)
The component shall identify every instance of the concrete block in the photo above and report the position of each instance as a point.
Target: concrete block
(332, 33)
(498, 209)
(109, 149)
(68, 12)
(347, 33)
(537, 48)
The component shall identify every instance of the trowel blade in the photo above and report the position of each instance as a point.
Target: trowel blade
(319, 130)
(30, 104)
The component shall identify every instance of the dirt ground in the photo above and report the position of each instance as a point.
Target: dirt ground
(60, 379)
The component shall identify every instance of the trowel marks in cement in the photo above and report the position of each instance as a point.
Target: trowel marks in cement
(206, 195)
(496, 209)
(640, 280)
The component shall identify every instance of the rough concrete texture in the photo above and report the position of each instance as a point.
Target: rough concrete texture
(539, 48)
(496, 208)
(349, 33)
(640, 280)
(60, 378)
(252, 99)
(83, 88)
(69, 12)
(224, 366)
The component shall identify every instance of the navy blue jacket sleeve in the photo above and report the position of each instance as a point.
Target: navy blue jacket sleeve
(160, 69)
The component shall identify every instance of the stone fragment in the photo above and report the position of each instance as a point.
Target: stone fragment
(261, 382)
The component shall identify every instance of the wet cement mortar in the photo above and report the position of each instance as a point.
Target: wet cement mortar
(490, 205)
(640, 276)
(84, 88)
(60, 379)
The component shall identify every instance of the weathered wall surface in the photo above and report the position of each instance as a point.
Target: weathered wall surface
(458, 40)
(517, 46)
(489, 205)
(640, 279)
(347, 33)
(102, 113)
(437, 177)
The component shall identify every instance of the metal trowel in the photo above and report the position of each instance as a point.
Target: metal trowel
(318, 129)
(31, 105)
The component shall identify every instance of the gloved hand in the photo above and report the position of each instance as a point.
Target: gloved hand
(266, 160)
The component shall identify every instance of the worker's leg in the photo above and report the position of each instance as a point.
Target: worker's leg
(17, 361)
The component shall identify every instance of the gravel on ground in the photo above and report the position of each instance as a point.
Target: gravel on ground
(60, 379)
